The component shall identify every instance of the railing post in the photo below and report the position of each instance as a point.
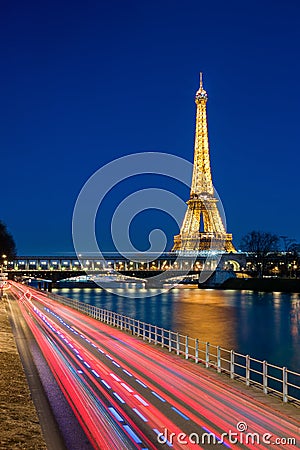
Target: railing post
(177, 344)
(265, 377)
(219, 366)
(155, 335)
(247, 370)
(149, 337)
(170, 341)
(207, 354)
(196, 350)
(284, 384)
(138, 328)
(162, 337)
(131, 325)
(186, 347)
(231, 364)
(144, 331)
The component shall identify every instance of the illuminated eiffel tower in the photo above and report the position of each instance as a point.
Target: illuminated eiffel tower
(202, 228)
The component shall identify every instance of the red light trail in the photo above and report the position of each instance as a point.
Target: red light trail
(126, 393)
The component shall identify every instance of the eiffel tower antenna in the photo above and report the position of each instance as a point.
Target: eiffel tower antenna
(202, 204)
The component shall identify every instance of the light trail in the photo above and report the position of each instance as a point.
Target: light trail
(89, 410)
(124, 390)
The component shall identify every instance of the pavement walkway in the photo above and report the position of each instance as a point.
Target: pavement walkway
(19, 423)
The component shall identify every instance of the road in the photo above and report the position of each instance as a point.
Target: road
(127, 394)
(60, 427)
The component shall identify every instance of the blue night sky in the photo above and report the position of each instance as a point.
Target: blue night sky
(83, 83)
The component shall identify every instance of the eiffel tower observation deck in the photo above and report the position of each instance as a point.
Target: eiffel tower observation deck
(202, 228)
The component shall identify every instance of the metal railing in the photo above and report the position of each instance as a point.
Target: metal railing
(269, 378)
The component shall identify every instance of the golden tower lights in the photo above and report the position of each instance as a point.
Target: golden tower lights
(202, 228)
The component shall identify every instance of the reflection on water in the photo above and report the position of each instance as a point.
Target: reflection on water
(263, 325)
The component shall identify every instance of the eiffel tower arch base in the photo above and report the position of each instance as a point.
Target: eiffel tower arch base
(204, 242)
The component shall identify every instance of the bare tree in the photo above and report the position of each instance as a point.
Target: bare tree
(288, 253)
(7, 243)
(294, 249)
(260, 244)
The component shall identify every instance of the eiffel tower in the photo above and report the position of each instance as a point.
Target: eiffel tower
(202, 228)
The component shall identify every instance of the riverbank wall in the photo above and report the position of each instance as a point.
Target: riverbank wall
(263, 284)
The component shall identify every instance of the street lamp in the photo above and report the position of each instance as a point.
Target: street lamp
(3, 262)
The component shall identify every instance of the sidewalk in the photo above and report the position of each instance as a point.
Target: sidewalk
(19, 424)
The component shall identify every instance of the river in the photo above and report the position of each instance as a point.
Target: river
(263, 325)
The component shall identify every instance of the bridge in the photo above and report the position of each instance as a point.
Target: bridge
(134, 385)
(135, 265)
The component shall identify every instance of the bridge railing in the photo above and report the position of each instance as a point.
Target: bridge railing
(269, 378)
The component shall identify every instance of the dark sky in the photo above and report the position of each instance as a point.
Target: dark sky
(83, 83)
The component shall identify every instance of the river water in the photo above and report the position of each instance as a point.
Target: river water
(263, 325)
